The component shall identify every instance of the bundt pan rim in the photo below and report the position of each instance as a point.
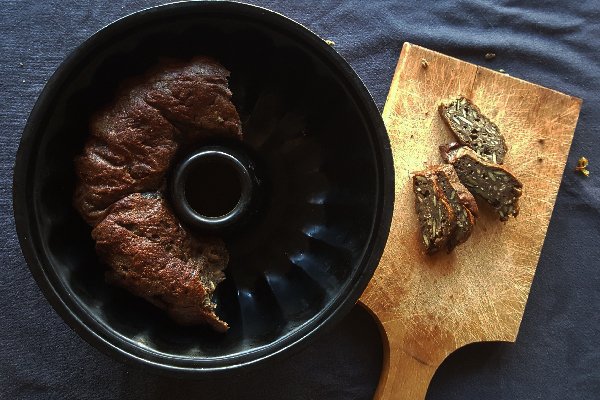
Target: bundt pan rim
(114, 344)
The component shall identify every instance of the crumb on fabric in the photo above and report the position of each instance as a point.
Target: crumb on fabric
(582, 164)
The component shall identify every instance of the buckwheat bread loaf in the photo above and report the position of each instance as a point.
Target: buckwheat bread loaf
(129, 151)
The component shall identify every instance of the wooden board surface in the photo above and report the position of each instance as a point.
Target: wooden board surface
(431, 306)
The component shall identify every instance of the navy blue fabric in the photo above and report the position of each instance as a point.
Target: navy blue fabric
(557, 353)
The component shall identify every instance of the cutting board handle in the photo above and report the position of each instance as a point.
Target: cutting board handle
(403, 376)
(427, 307)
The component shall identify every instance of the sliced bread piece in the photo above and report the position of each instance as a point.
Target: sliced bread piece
(492, 182)
(436, 217)
(462, 201)
(473, 129)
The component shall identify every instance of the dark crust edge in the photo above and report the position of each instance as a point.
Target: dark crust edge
(443, 241)
(464, 195)
(453, 151)
(466, 201)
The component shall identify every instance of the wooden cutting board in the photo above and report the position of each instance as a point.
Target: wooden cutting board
(430, 306)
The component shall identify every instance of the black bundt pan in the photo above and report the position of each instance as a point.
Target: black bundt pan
(306, 256)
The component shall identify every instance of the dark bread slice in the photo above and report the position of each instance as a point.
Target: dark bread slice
(492, 182)
(436, 216)
(473, 129)
(462, 201)
(152, 256)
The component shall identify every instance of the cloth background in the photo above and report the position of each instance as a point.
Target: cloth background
(557, 353)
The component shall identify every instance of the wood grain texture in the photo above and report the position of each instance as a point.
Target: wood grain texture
(431, 306)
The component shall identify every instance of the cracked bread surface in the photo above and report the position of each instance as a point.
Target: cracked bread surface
(130, 148)
(152, 256)
(132, 141)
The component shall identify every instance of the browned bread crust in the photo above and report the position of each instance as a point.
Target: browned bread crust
(195, 98)
(152, 256)
(132, 141)
(130, 148)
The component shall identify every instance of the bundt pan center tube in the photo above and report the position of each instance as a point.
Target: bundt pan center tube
(302, 203)
(212, 189)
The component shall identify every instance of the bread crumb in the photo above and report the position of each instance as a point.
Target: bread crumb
(490, 56)
(582, 164)
(330, 42)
